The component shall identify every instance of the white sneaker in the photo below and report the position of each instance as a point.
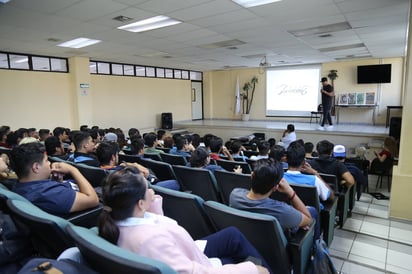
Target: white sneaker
(321, 128)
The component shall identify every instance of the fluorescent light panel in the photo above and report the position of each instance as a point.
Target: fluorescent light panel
(156, 22)
(79, 43)
(254, 3)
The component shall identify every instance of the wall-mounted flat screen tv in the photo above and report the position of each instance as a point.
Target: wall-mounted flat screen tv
(372, 74)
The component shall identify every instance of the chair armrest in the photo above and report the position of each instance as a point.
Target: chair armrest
(300, 248)
(86, 218)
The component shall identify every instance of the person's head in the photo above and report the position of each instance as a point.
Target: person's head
(44, 133)
(278, 153)
(181, 142)
(133, 132)
(290, 128)
(207, 138)
(125, 192)
(26, 140)
(216, 144)
(150, 139)
(28, 159)
(199, 157)
(308, 147)
(390, 144)
(263, 147)
(324, 81)
(83, 142)
(235, 147)
(160, 134)
(3, 134)
(272, 142)
(21, 133)
(195, 140)
(266, 176)
(137, 146)
(324, 148)
(84, 128)
(339, 152)
(295, 155)
(110, 137)
(54, 146)
(60, 132)
(32, 132)
(168, 142)
(108, 153)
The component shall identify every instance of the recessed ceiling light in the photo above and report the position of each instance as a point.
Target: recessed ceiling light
(79, 43)
(122, 18)
(156, 22)
(254, 3)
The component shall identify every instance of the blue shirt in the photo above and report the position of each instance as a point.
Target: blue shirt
(51, 196)
(175, 151)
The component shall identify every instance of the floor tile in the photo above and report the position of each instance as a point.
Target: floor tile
(353, 224)
(353, 268)
(361, 208)
(374, 229)
(399, 256)
(338, 263)
(378, 211)
(369, 251)
(400, 235)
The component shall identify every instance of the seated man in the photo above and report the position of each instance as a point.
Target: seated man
(297, 164)
(263, 148)
(151, 142)
(33, 170)
(85, 149)
(54, 147)
(267, 177)
(325, 163)
(181, 147)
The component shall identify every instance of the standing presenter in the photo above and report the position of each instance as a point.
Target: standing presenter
(327, 97)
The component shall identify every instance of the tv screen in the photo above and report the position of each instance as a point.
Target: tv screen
(372, 74)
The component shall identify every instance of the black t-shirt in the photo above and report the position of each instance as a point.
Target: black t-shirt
(326, 99)
(329, 165)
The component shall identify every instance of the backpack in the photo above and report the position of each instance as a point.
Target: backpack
(49, 266)
(15, 244)
(320, 262)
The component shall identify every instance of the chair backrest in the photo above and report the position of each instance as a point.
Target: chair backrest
(47, 230)
(227, 181)
(198, 181)
(251, 163)
(249, 153)
(153, 156)
(187, 209)
(164, 149)
(331, 180)
(231, 165)
(129, 158)
(263, 232)
(94, 175)
(173, 159)
(107, 258)
(162, 170)
(308, 195)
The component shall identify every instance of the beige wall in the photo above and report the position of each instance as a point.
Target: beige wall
(221, 91)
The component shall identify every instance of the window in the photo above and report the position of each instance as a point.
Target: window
(150, 72)
(41, 63)
(4, 60)
(58, 64)
(103, 68)
(117, 69)
(19, 61)
(140, 71)
(128, 70)
(169, 73)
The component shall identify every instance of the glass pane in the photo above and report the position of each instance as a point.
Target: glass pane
(150, 72)
(117, 69)
(178, 74)
(160, 72)
(195, 75)
(93, 67)
(103, 68)
(128, 70)
(40, 63)
(169, 73)
(185, 74)
(58, 64)
(140, 71)
(4, 61)
(19, 61)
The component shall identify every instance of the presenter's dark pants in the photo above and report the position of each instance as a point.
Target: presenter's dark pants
(326, 113)
(231, 247)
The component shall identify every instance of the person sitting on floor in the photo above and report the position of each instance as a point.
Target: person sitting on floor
(33, 170)
(132, 218)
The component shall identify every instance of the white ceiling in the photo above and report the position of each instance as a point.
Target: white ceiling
(380, 25)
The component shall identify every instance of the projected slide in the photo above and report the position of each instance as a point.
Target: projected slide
(292, 91)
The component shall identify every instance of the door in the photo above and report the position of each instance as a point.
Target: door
(197, 101)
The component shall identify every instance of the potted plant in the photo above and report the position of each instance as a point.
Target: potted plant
(332, 76)
(247, 97)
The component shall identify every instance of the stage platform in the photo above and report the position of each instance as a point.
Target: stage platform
(348, 134)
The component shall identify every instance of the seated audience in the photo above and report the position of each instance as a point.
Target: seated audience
(181, 147)
(288, 136)
(150, 140)
(325, 163)
(300, 172)
(267, 177)
(85, 148)
(200, 158)
(44, 133)
(217, 149)
(278, 153)
(132, 218)
(33, 170)
(237, 151)
(309, 153)
(54, 148)
(263, 148)
(389, 151)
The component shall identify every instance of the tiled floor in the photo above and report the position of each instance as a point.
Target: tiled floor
(370, 242)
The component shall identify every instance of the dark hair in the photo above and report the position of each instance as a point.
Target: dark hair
(24, 156)
(290, 128)
(266, 175)
(180, 142)
(263, 147)
(44, 132)
(235, 147)
(51, 143)
(295, 154)
(121, 191)
(195, 140)
(160, 134)
(308, 147)
(150, 139)
(84, 128)
(79, 138)
(324, 147)
(136, 145)
(133, 132)
(215, 144)
(272, 142)
(207, 138)
(105, 151)
(277, 152)
(58, 131)
(199, 157)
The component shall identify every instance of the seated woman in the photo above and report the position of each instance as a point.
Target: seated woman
(127, 221)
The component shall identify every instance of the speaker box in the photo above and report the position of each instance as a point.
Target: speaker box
(167, 120)
(395, 127)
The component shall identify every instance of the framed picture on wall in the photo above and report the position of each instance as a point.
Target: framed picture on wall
(343, 99)
(369, 98)
(351, 98)
(360, 98)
